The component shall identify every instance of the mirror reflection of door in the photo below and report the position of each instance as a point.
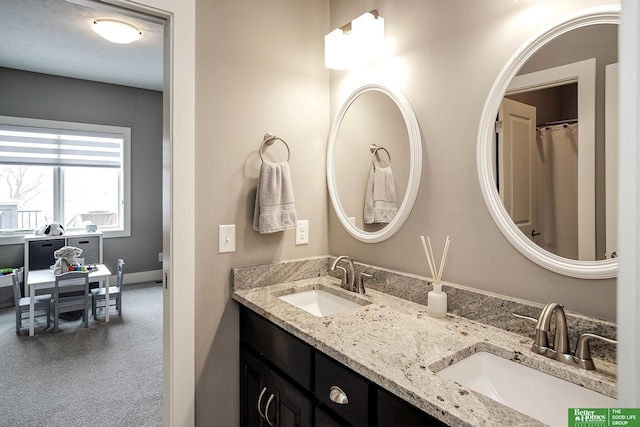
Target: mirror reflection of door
(553, 165)
(517, 164)
(565, 100)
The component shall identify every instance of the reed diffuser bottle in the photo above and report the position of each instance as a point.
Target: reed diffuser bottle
(436, 299)
(437, 302)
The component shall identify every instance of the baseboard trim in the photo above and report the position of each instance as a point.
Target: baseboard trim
(142, 276)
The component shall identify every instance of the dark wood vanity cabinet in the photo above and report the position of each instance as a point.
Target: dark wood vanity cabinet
(286, 382)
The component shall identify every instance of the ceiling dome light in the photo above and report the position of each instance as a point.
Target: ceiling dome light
(116, 31)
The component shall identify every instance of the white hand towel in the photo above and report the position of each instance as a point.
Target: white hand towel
(380, 204)
(274, 208)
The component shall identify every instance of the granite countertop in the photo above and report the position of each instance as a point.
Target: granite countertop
(397, 345)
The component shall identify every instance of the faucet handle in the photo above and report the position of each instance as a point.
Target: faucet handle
(583, 353)
(522, 316)
(361, 278)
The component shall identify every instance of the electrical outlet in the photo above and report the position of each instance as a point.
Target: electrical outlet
(160, 257)
(302, 232)
(226, 238)
(352, 220)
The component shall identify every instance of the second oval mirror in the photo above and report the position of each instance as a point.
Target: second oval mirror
(547, 166)
(374, 162)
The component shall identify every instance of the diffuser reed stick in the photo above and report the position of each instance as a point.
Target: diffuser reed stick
(431, 260)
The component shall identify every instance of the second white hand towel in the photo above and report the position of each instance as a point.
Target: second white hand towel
(380, 204)
(274, 208)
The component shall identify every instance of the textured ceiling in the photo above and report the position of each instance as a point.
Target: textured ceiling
(54, 37)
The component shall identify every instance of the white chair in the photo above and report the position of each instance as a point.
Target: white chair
(115, 292)
(64, 304)
(42, 303)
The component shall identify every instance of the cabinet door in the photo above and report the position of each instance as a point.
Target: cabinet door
(90, 246)
(263, 392)
(41, 253)
(292, 407)
(254, 391)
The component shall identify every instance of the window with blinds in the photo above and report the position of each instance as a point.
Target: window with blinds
(26, 145)
(72, 173)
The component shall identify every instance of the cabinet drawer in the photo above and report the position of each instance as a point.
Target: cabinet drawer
(90, 248)
(328, 374)
(282, 349)
(41, 253)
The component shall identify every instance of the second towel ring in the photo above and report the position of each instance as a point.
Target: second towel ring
(374, 149)
(269, 139)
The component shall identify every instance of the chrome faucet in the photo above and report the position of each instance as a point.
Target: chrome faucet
(560, 350)
(543, 326)
(348, 274)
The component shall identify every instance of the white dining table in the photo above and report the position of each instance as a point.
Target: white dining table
(46, 279)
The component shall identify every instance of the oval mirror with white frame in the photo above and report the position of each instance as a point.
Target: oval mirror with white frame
(523, 189)
(374, 162)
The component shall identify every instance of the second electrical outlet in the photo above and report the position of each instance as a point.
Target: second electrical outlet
(302, 232)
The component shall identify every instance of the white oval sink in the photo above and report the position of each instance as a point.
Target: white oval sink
(321, 303)
(534, 393)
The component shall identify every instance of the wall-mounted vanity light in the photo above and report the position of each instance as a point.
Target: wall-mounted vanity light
(116, 31)
(357, 42)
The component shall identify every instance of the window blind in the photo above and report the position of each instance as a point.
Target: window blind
(28, 145)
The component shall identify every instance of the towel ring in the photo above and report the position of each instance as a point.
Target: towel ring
(374, 148)
(269, 139)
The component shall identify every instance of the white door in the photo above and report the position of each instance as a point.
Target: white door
(516, 164)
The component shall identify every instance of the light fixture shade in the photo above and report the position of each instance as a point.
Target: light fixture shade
(116, 31)
(336, 55)
(363, 43)
(367, 34)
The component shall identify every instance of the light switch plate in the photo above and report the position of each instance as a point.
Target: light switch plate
(226, 238)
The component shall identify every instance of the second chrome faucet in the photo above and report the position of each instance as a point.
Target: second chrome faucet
(349, 281)
(560, 350)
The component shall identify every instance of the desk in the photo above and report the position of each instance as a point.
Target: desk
(45, 279)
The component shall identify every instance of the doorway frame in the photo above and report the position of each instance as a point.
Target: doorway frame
(178, 206)
(628, 297)
(584, 74)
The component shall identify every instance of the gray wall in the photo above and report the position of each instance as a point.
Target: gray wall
(42, 96)
(446, 56)
(259, 68)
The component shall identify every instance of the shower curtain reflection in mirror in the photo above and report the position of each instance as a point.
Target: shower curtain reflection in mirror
(557, 176)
